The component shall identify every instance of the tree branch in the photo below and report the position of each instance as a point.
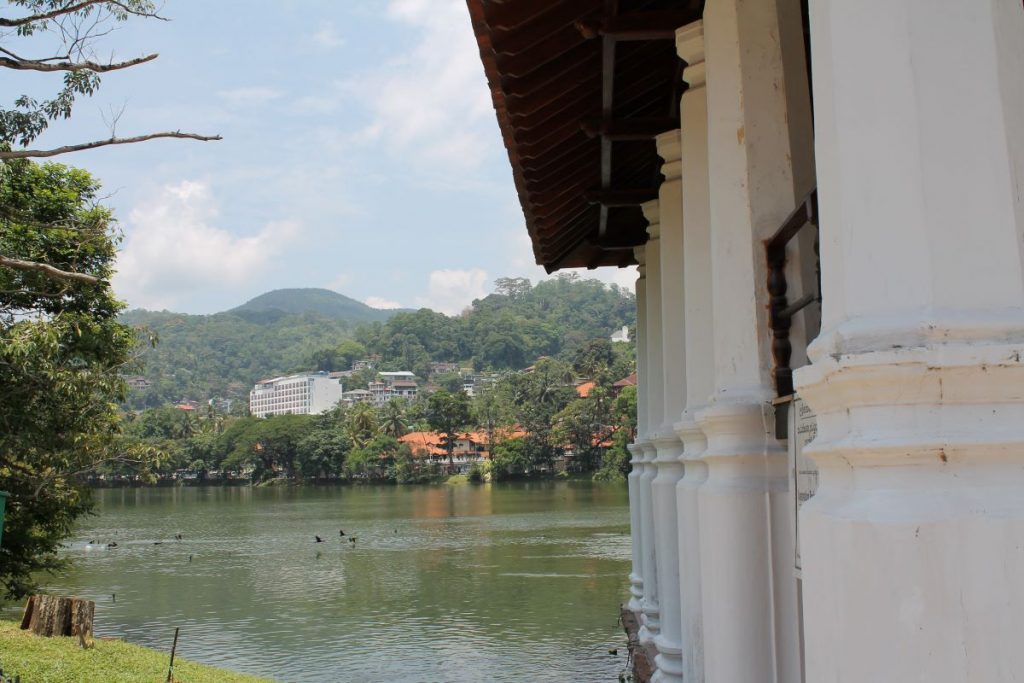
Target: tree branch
(48, 270)
(38, 153)
(43, 65)
(71, 9)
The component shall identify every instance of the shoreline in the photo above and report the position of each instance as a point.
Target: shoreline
(452, 480)
(45, 660)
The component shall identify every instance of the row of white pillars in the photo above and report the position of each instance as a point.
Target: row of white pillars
(711, 484)
(912, 546)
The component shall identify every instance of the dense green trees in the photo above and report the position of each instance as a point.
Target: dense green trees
(61, 354)
(447, 414)
(509, 329)
(220, 356)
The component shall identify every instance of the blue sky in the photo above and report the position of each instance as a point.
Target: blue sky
(360, 153)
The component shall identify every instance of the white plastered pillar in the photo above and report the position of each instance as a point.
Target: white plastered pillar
(751, 191)
(913, 546)
(636, 449)
(669, 447)
(653, 392)
(700, 355)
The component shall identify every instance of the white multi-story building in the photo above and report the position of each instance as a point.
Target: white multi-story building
(305, 394)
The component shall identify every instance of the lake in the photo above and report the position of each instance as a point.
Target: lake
(496, 582)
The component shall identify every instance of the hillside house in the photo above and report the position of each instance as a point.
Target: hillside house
(470, 447)
(389, 385)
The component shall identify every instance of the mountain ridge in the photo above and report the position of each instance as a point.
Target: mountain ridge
(300, 300)
(290, 301)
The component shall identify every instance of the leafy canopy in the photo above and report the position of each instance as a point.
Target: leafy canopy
(62, 352)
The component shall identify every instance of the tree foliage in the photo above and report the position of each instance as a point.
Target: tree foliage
(62, 352)
(447, 414)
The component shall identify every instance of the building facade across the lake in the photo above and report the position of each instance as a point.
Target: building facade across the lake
(304, 394)
(825, 199)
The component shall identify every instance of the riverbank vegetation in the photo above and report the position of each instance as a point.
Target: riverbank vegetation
(526, 424)
(59, 660)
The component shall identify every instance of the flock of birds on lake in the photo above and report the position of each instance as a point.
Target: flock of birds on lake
(179, 537)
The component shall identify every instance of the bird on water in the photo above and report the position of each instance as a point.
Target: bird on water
(341, 532)
(318, 539)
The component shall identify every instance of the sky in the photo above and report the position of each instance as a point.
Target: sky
(361, 154)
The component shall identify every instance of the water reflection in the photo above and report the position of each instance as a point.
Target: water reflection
(445, 583)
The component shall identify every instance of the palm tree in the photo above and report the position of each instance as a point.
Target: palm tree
(188, 425)
(362, 424)
(393, 421)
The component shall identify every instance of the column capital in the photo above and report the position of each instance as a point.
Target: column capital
(690, 48)
(640, 254)
(653, 216)
(670, 149)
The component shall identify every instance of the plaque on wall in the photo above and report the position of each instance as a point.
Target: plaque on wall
(803, 428)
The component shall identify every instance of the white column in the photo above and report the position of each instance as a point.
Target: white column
(752, 190)
(636, 579)
(700, 354)
(913, 546)
(668, 445)
(651, 617)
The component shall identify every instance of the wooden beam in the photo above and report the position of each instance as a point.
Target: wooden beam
(629, 129)
(637, 25)
(610, 197)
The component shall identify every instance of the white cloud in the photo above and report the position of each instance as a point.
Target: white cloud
(432, 101)
(451, 291)
(174, 251)
(249, 96)
(379, 302)
(327, 36)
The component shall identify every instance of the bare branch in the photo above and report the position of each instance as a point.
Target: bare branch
(43, 65)
(71, 9)
(114, 118)
(39, 153)
(48, 270)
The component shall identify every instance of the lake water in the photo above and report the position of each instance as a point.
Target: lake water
(503, 582)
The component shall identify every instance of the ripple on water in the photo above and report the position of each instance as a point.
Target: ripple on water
(516, 583)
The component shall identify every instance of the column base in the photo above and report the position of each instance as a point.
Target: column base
(687, 502)
(650, 626)
(636, 593)
(735, 552)
(668, 661)
(669, 668)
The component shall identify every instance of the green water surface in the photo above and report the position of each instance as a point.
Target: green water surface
(509, 582)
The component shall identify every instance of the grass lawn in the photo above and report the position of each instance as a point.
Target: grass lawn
(61, 660)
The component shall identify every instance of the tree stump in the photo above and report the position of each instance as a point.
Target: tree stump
(53, 615)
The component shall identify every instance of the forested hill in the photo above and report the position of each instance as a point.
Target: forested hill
(221, 355)
(323, 302)
(510, 328)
